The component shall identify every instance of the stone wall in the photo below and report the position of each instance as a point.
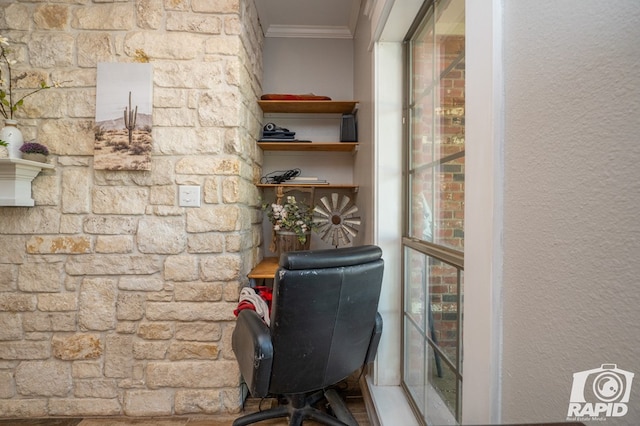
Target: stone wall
(113, 299)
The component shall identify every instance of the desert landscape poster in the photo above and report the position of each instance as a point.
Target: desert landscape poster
(123, 116)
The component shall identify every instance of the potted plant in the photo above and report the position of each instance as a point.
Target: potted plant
(34, 151)
(292, 224)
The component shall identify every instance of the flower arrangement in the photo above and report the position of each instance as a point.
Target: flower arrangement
(292, 216)
(34, 148)
(7, 103)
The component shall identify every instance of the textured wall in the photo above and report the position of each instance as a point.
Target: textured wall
(571, 201)
(114, 300)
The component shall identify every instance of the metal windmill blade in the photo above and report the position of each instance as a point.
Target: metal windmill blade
(335, 219)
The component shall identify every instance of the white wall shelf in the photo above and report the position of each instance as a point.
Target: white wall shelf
(16, 176)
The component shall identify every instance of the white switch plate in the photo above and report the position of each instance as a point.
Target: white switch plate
(189, 196)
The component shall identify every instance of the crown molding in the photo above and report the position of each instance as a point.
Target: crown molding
(302, 31)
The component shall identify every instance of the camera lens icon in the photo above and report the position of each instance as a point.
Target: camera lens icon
(608, 386)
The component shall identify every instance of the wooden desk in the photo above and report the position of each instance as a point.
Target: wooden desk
(265, 270)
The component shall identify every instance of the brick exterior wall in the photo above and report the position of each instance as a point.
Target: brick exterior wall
(114, 300)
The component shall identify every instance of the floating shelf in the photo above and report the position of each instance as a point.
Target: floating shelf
(309, 107)
(309, 146)
(16, 176)
(306, 185)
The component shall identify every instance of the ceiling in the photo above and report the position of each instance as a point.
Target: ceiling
(308, 18)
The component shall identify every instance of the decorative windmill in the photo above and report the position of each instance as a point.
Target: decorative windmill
(335, 219)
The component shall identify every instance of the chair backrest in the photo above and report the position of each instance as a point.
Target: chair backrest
(323, 314)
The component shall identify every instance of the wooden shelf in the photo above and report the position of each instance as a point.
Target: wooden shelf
(306, 185)
(309, 146)
(309, 107)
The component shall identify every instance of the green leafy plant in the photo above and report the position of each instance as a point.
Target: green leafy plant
(292, 216)
(34, 148)
(3, 143)
(7, 103)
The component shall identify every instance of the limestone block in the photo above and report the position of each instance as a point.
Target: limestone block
(81, 103)
(84, 407)
(165, 195)
(150, 350)
(114, 244)
(232, 25)
(43, 378)
(49, 321)
(174, 46)
(198, 331)
(24, 408)
(223, 45)
(219, 109)
(188, 311)
(110, 225)
(71, 224)
(181, 268)
(51, 49)
(162, 235)
(148, 403)
(95, 388)
(8, 277)
(40, 277)
(13, 302)
(11, 326)
(211, 190)
(225, 342)
(25, 350)
(45, 191)
(220, 267)
(155, 330)
(130, 306)
(221, 6)
(50, 244)
(77, 347)
(126, 327)
(86, 369)
(118, 359)
(209, 242)
(144, 283)
(202, 24)
(197, 401)
(94, 48)
(76, 196)
(174, 117)
(192, 350)
(119, 200)
(97, 307)
(149, 13)
(231, 291)
(16, 17)
(198, 291)
(7, 385)
(68, 137)
(221, 218)
(57, 302)
(176, 5)
(51, 17)
(113, 264)
(27, 222)
(231, 400)
(105, 17)
(193, 374)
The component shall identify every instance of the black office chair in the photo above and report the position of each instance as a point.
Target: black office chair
(324, 327)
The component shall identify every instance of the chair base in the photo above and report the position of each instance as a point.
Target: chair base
(300, 407)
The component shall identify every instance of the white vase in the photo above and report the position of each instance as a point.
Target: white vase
(13, 136)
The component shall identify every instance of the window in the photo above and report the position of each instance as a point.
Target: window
(433, 236)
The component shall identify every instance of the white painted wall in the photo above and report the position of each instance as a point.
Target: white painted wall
(571, 201)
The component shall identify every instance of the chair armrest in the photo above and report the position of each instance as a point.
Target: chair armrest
(375, 339)
(251, 343)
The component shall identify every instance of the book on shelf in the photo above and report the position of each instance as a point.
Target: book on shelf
(311, 180)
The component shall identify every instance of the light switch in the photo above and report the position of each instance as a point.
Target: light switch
(189, 196)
